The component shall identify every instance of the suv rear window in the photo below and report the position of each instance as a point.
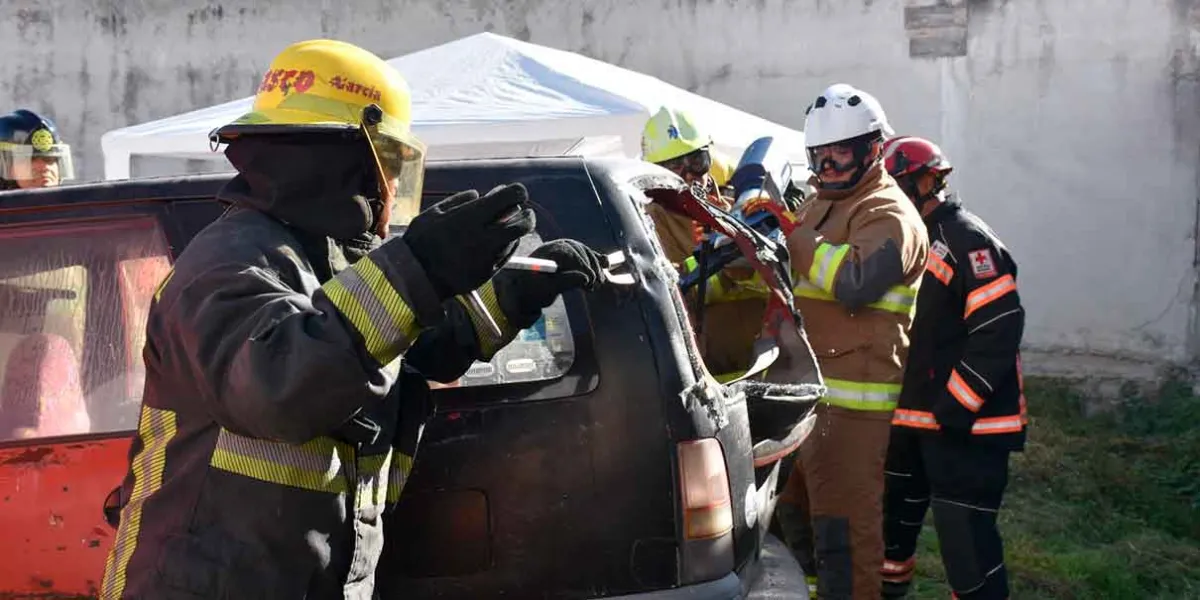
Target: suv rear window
(73, 304)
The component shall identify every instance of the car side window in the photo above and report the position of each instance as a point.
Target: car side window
(544, 351)
(73, 304)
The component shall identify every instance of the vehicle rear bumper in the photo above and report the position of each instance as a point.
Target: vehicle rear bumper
(779, 578)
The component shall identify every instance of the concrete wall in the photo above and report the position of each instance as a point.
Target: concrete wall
(1073, 122)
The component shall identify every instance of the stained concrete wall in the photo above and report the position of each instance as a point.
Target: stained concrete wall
(1073, 122)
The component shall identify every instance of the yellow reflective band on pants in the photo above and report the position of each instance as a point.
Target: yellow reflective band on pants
(364, 296)
(489, 342)
(899, 299)
(826, 261)
(857, 395)
(155, 429)
(317, 465)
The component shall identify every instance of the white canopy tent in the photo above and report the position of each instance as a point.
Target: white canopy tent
(489, 96)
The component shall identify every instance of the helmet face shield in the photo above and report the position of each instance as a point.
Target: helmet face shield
(400, 157)
(44, 166)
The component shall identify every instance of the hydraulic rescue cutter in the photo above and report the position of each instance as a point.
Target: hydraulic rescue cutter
(784, 382)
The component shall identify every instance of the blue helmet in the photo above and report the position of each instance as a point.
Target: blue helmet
(28, 143)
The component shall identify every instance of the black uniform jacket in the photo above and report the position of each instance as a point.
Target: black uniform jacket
(248, 478)
(964, 367)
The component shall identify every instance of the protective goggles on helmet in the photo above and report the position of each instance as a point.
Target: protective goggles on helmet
(19, 162)
(846, 156)
(697, 163)
(401, 160)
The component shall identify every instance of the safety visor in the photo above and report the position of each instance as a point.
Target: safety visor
(697, 162)
(842, 156)
(23, 162)
(400, 157)
(839, 155)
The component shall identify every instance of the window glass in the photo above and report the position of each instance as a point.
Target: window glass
(73, 306)
(542, 352)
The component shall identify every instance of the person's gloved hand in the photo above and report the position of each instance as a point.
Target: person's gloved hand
(463, 240)
(523, 294)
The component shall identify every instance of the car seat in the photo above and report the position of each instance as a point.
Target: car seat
(42, 395)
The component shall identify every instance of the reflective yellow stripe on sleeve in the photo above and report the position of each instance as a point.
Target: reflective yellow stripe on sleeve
(826, 261)
(743, 289)
(365, 297)
(317, 465)
(155, 429)
(857, 395)
(489, 342)
(899, 299)
(690, 264)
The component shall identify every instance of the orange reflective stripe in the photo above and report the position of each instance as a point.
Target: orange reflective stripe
(992, 425)
(939, 268)
(916, 419)
(988, 293)
(892, 566)
(963, 393)
(898, 572)
(919, 419)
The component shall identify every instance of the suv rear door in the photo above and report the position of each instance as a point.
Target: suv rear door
(561, 487)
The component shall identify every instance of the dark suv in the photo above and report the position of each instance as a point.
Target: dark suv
(588, 459)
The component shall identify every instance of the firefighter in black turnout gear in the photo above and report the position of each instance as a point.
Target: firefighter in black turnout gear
(287, 353)
(962, 407)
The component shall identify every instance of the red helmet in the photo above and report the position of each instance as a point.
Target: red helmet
(908, 155)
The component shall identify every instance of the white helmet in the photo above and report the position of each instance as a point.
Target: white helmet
(841, 113)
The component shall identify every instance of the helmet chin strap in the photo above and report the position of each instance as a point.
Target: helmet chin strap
(860, 168)
(909, 185)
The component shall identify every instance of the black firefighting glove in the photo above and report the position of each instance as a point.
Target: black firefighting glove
(523, 294)
(463, 240)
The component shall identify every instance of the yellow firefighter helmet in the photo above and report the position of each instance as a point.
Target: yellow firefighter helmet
(328, 86)
(670, 134)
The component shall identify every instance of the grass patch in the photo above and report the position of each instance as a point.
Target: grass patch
(1101, 508)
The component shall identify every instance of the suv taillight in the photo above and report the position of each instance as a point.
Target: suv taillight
(704, 484)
